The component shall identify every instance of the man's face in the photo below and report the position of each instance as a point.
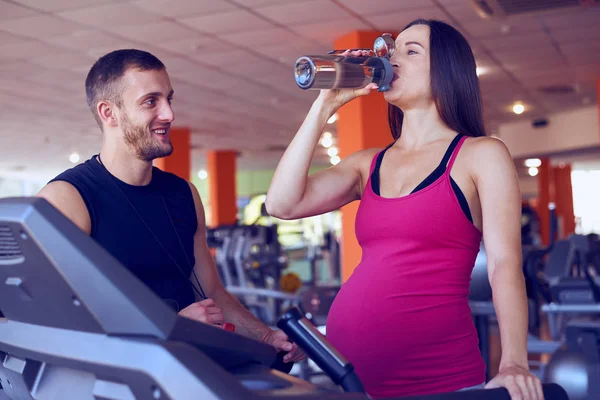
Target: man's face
(146, 115)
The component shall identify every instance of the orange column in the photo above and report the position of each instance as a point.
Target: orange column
(178, 162)
(564, 198)
(362, 124)
(545, 196)
(222, 187)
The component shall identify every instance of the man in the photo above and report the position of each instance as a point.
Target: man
(153, 222)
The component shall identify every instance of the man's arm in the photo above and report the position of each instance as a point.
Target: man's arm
(206, 271)
(234, 312)
(64, 197)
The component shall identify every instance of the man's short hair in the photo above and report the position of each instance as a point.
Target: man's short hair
(103, 82)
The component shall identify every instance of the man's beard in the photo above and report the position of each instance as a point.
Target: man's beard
(141, 140)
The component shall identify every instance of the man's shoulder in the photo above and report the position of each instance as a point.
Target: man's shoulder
(68, 195)
(181, 192)
(76, 190)
(79, 174)
(170, 180)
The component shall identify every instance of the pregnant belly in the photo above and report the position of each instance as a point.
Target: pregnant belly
(389, 337)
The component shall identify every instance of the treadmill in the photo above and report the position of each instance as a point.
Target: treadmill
(77, 325)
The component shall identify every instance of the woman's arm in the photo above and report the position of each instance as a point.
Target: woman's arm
(292, 193)
(497, 184)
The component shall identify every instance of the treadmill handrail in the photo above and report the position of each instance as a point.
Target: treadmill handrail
(303, 333)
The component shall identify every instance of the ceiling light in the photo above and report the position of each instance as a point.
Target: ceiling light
(335, 160)
(533, 162)
(74, 158)
(327, 141)
(480, 70)
(332, 151)
(332, 119)
(533, 171)
(518, 108)
(202, 174)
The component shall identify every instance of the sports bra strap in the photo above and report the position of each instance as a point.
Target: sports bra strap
(375, 165)
(449, 153)
(456, 145)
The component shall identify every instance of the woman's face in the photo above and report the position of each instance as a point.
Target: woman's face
(411, 87)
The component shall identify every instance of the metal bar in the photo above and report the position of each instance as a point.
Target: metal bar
(571, 308)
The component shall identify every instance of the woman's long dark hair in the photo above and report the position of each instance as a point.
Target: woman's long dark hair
(454, 82)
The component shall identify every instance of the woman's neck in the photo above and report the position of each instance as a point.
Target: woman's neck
(422, 126)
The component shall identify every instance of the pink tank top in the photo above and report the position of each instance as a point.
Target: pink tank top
(403, 318)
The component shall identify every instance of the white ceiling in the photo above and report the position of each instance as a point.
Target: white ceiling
(231, 62)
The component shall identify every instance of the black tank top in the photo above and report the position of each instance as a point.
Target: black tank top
(439, 171)
(117, 227)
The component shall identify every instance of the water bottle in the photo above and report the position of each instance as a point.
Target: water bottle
(334, 71)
